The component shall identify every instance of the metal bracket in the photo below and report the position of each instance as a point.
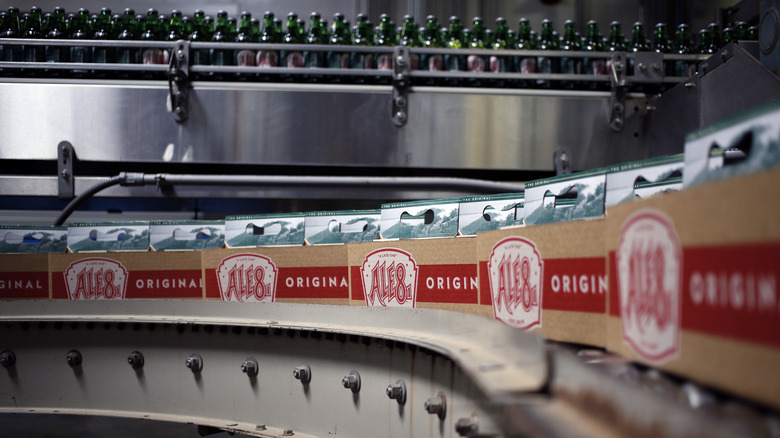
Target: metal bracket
(618, 98)
(65, 179)
(401, 82)
(649, 68)
(178, 82)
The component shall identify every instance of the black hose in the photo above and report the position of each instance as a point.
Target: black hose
(78, 200)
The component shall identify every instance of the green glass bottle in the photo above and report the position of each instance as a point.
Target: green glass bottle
(268, 58)
(752, 33)
(245, 57)
(431, 40)
(409, 38)
(385, 36)
(716, 40)
(339, 37)
(103, 55)
(524, 41)
(9, 53)
(127, 32)
(292, 58)
(594, 66)
(570, 43)
(545, 64)
(80, 32)
(32, 30)
(56, 32)
(199, 34)
(662, 44)
(682, 46)
(361, 37)
(476, 63)
(314, 59)
(500, 64)
(232, 29)
(703, 46)
(14, 18)
(221, 35)
(638, 44)
(616, 41)
(741, 30)
(187, 26)
(151, 55)
(453, 61)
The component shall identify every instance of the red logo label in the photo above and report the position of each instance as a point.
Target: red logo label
(295, 60)
(384, 62)
(648, 261)
(154, 56)
(515, 273)
(435, 63)
(96, 279)
(247, 277)
(266, 58)
(475, 63)
(389, 278)
(245, 58)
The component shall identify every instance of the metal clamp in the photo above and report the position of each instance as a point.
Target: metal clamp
(178, 82)
(401, 82)
(617, 101)
(648, 68)
(65, 180)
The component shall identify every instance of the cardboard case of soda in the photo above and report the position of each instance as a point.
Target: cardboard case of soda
(428, 268)
(338, 227)
(548, 276)
(186, 235)
(693, 275)
(24, 260)
(113, 261)
(264, 230)
(491, 212)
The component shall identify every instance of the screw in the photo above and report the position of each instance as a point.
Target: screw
(351, 381)
(7, 358)
(194, 362)
(400, 101)
(656, 67)
(724, 54)
(642, 67)
(564, 157)
(690, 85)
(619, 66)
(618, 107)
(397, 391)
(180, 54)
(467, 426)
(400, 116)
(617, 124)
(303, 373)
(437, 405)
(400, 61)
(65, 174)
(74, 358)
(136, 360)
(249, 367)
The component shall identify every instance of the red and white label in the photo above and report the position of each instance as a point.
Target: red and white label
(389, 278)
(515, 273)
(245, 58)
(96, 279)
(649, 279)
(247, 277)
(384, 61)
(435, 63)
(267, 58)
(475, 63)
(528, 65)
(295, 60)
(155, 56)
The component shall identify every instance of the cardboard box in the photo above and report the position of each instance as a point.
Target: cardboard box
(108, 236)
(547, 278)
(24, 260)
(420, 219)
(693, 284)
(565, 197)
(115, 275)
(483, 213)
(301, 274)
(642, 179)
(337, 227)
(186, 235)
(741, 144)
(432, 273)
(264, 230)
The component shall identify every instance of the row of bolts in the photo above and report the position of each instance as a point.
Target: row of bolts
(397, 391)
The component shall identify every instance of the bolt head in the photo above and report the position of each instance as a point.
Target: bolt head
(297, 373)
(180, 54)
(390, 391)
(244, 367)
(400, 61)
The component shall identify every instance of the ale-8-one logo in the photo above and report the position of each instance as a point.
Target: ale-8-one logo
(247, 277)
(648, 262)
(389, 278)
(96, 278)
(515, 273)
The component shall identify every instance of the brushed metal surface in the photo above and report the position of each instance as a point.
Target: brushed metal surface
(313, 124)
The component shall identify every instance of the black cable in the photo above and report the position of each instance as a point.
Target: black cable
(78, 200)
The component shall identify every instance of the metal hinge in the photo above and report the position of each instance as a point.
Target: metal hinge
(65, 179)
(178, 81)
(617, 102)
(401, 82)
